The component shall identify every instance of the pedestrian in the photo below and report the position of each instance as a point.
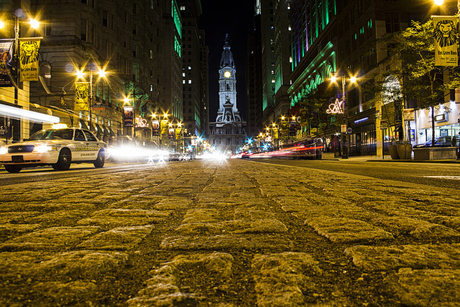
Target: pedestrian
(458, 150)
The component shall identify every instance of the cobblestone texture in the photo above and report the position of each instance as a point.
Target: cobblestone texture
(229, 234)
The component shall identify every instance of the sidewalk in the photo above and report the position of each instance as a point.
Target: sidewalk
(231, 234)
(387, 158)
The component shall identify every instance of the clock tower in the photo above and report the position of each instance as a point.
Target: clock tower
(228, 111)
(228, 132)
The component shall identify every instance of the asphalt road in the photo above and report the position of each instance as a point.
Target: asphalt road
(445, 175)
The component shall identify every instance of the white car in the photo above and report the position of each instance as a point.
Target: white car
(56, 147)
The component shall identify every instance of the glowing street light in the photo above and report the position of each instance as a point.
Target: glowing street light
(353, 80)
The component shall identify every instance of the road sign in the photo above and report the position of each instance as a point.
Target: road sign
(343, 128)
(383, 124)
(349, 130)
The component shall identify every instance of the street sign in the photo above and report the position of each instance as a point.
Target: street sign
(383, 124)
(349, 130)
(343, 128)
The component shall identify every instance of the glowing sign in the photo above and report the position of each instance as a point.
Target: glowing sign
(335, 108)
(141, 122)
(363, 120)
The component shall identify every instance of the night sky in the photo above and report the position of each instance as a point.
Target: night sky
(219, 18)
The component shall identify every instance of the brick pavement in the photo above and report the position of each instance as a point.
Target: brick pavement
(237, 233)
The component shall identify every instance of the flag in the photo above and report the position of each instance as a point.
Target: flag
(28, 59)
(6, 63)
(445, 40)
(81, 96)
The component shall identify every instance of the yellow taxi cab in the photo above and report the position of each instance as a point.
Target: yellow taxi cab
(56, 147)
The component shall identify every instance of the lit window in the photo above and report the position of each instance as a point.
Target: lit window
(273, 80)
(183, 82)
(183, 74)
(190, 68)
(189, 81)
(289, 28)
(290, 59)
(182, 7)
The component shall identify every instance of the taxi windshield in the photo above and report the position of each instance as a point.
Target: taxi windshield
(53, 134)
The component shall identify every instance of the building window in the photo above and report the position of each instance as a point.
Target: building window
(84, 25)
(182, 7)
(392, 22)
(105, 18)
(45, 73)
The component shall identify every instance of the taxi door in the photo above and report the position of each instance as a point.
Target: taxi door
(92, 146)
(79, 146)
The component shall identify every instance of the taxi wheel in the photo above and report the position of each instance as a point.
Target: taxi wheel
(64, 160)
(100, 159)
(13, 168)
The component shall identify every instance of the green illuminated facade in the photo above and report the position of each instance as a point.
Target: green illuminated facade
(309, 20)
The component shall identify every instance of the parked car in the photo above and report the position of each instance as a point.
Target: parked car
(56, 147)
(443, 141)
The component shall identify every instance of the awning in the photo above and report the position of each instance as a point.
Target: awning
(111, 132)
(99, 129)
(83, 124)
(105, 130)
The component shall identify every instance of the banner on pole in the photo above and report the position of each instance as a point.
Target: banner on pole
(81, 96)
(28, 59)
(445, 40)
(155, 127)
(6, 63)
(164, 127)
(128, 112)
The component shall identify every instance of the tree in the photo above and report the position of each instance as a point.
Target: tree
(421, 80)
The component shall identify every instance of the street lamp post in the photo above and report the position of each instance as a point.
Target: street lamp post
(81, 75)
(344, 132)
(15, 56)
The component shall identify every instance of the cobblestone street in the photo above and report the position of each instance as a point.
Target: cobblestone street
(237, 233)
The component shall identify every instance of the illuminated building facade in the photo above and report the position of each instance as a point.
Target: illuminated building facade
(139, 46)
(12, 128)
(336, 37)
(228, 132)
(172, 57)
(268, 64)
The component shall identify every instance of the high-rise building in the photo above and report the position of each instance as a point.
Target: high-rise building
(172, 59)
(254, 111)
(334, 37)
(194, 70)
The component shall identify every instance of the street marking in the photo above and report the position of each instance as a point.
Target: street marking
(444, 177)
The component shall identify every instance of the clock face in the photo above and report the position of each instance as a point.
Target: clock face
(227, 74)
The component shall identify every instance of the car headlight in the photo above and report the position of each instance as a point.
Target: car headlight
(44, 148)
(3, 150)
